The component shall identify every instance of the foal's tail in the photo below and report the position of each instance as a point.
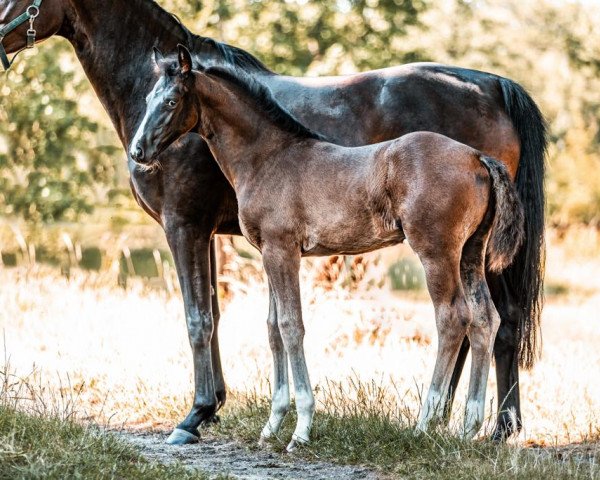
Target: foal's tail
(508, 229)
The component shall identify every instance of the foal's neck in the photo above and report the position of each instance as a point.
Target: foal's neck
(240, 135)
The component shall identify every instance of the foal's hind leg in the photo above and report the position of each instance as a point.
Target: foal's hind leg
(452, 318)
(482, 332)
(281, 390)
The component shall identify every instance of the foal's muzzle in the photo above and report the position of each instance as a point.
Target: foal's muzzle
(137, 153)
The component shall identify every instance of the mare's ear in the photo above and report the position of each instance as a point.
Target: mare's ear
(157, 55)
(185, 59)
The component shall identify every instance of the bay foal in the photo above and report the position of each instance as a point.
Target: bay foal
(300, 196)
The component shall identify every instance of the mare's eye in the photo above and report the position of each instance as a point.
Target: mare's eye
(172, 103)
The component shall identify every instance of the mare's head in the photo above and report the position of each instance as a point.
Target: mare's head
(48, 15)
(172, 108)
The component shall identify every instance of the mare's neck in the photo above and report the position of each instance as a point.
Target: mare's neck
(113, 41)
(240, 135)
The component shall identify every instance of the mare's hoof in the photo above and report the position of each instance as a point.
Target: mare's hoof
(182, 437)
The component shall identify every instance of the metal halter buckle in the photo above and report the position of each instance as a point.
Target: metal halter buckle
(33, 11)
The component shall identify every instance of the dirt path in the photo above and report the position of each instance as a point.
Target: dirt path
(216, 456)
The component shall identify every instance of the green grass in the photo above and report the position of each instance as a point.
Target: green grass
(369, 432)
(34, 446)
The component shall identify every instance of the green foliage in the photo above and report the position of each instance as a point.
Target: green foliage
(50, 163)
(322, 37)
(50, 167)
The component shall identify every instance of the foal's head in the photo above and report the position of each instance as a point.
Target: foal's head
(172, 109)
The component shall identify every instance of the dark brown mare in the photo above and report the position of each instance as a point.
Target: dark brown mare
(112, 39)
(299, 196)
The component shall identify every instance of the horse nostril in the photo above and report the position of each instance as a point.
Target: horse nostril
(138, 153)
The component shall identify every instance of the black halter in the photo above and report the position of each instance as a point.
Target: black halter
(30, 15)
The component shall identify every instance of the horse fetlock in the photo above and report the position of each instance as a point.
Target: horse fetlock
(297, 442)
(205, 410)
(433, 409)
(473, 418)
(508, 424)
(221, 395)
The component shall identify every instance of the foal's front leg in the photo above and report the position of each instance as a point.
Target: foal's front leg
(280, 404)
(282, 265)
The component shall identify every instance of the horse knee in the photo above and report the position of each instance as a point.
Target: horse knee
(200, 330)
(292, 331)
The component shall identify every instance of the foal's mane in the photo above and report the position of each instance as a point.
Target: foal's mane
(262, 97)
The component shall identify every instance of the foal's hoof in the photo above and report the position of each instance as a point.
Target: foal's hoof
(265, 443)
(182, 437)
(296, 444)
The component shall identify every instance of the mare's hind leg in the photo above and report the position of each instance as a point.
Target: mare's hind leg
(506, 355)
(452, 317)
(281, 390)
(482, 331)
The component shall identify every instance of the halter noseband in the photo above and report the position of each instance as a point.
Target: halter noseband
(30, 15)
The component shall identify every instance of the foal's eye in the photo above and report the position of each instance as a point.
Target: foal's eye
(172, 103)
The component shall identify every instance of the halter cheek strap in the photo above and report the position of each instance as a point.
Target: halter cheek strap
(30, 15)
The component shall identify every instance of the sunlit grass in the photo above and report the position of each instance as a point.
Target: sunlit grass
(122, 357)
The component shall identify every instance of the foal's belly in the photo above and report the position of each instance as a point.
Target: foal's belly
(349, 244)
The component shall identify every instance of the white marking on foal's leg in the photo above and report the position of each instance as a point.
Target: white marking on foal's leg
(305, 406)
(280, 403)
(473, 417)
(279, 408)
(432, 408)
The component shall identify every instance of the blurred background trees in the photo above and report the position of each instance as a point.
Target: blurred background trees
(52, 164)
(59, 157)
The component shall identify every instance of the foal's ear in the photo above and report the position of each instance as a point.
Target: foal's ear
(157, 55)
(185, 59)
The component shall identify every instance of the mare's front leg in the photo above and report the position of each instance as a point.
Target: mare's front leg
(191, 251)
(282, 264)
